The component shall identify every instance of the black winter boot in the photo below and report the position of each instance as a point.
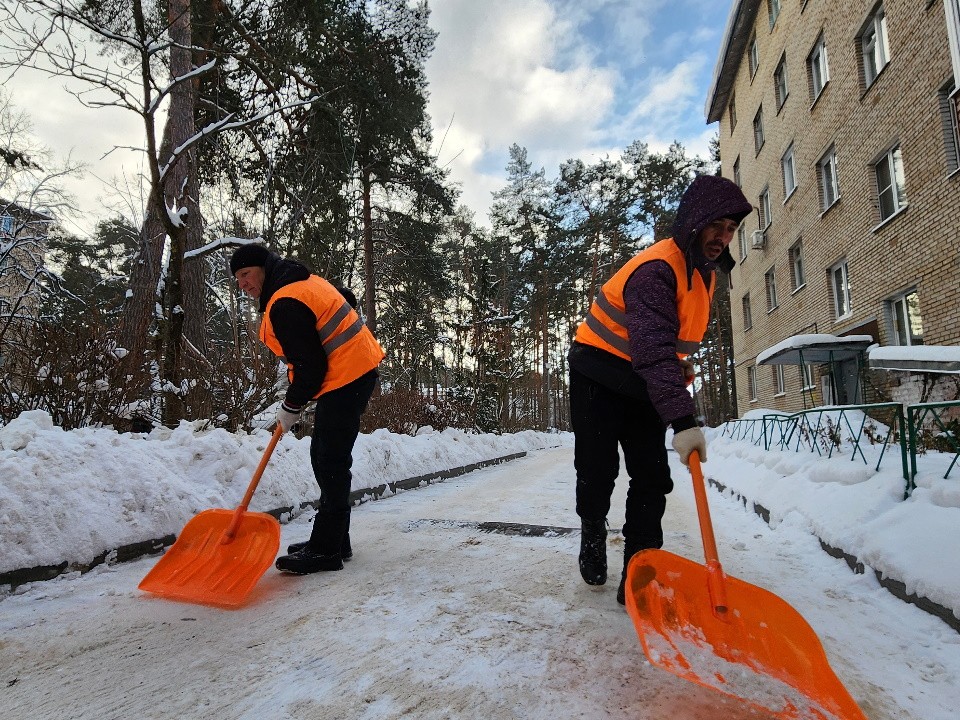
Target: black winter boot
(593, 551)
(306, 561)
(629, 550)
(346, 552)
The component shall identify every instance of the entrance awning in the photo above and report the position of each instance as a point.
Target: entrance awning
(916, 358)
(815, 349)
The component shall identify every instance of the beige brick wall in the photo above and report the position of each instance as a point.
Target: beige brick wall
(919, 247)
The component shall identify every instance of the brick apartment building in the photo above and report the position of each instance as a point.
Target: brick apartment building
(838, 118)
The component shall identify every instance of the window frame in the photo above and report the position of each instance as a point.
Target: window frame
(949, 100)
(737, 179)
(891, 162)
(732, 109)
(841, 268)
(759, 137)
(781, 87)
(747, 312)
(770, 284)
(797, 276)
(742, 241)
(753, 53)
(773, 11)
(766, 213)
(788, 189)
(874, 46)
(828, 160)
(900, 299)
(752, 383)
(779, 382)
(818, 68)
(807, 380)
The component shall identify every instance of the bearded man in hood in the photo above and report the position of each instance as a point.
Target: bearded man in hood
(629, 373)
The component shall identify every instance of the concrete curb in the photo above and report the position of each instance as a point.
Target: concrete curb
(895, 587)
(132, 551)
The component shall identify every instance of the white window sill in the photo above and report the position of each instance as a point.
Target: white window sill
(798, 288)
(890, 219)
(780, 394)
(790, 195)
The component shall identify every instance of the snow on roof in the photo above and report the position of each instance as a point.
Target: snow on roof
(918, 358)
(814, 348)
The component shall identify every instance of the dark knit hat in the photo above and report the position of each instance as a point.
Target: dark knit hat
(249, 255)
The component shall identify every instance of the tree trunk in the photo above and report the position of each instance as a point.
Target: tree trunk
(369, 290)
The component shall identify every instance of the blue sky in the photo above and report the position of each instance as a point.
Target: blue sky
(567, 78)
(563, 78)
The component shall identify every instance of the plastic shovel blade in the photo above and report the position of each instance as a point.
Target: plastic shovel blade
(758, 649)
(205, 566)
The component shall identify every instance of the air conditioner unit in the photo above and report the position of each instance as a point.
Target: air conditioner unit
(758, 239)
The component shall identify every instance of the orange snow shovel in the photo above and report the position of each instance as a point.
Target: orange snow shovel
(220, 554)
(729, 635)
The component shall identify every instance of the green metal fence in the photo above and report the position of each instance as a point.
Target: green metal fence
(838, 429)
(830, 430)
(934, 426)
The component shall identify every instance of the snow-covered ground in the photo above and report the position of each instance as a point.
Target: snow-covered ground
(434, 617)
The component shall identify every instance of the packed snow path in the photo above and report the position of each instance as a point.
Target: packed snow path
(435, 618)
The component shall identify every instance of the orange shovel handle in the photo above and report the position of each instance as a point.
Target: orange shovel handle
(248, 496)
(715, 577)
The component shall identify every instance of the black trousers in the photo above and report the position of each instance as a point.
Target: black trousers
(604, 420)
(336, 425)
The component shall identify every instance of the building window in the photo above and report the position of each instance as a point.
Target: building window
(806, 377)
(874, 47)
(891, 194)
(950, 119)
(770, 280)
(733, 113)
(765, 209)
(752, 382)
(754, 56)
(788, 166)
(773, 8)
(779, 385)
(796, 265)
(829, 184)
(840, 282)
(758, 129)
(747, 315)
(742, 241)
(905, 320)
(818, 68)
(736, 172)
(780, 82)
(6, 224)
(952, 10)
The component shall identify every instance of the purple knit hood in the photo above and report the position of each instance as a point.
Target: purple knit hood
(709, 198)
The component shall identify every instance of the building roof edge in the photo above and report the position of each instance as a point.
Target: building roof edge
(735, 38)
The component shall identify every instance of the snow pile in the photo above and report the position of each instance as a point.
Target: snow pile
(70, 496)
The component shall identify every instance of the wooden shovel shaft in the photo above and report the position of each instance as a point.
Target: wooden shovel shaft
(252, 487)
(715, 577)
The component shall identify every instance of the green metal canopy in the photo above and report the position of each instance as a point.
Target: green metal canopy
(816, 348)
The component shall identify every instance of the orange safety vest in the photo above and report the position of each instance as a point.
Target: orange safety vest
(351, 349)
(605, 326)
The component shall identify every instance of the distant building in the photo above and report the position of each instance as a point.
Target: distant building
(839, 119)
(23, 239)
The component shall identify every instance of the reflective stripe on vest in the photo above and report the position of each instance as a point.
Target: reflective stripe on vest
(351, 349)
(605, 325)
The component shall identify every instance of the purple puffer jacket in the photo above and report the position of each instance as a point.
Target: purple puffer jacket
(650, 297)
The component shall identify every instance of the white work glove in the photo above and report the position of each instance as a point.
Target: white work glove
(286, 417)
(688, 372)
(686, 441)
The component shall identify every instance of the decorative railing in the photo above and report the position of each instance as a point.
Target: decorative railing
(916, 430)
(831, 430)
